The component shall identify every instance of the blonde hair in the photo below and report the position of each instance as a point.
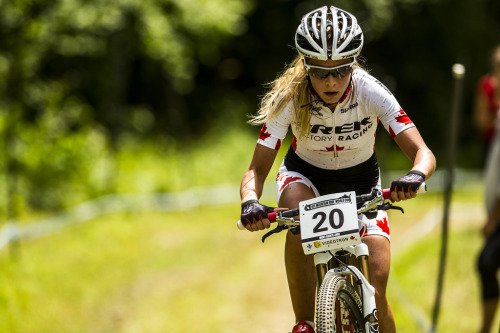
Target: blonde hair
(290, 87)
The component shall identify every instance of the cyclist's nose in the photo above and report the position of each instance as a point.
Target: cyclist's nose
(330, 80)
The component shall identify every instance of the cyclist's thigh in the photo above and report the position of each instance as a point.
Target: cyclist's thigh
(294, 193)
(379, 260)
(293, 187)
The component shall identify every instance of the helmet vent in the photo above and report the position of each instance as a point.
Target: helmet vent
(329, 33)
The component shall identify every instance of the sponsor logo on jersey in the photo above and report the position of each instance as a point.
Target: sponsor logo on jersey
(349, 131)
(364, 124)
(349, 108)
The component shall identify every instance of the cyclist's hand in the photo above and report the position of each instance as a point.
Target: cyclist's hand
(406, 187)
(254, 215)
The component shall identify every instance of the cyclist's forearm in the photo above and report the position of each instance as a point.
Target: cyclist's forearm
(253, 180)
(414, 147)
(425, 162)
(251, 186)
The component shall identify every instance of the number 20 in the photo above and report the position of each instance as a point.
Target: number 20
(331, 217)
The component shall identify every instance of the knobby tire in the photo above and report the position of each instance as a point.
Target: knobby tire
(338, 308)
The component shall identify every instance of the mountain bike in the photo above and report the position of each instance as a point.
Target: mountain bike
(330, 230)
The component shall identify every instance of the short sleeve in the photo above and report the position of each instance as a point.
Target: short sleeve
(274, 130)
(388, 110)
(396, 121)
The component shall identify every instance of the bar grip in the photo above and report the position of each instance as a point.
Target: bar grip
(386, 193)
(240, 225)
(271, 216)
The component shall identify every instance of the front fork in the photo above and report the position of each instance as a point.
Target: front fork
(324, 262)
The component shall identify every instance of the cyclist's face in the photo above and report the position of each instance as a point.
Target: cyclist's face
(331, 88)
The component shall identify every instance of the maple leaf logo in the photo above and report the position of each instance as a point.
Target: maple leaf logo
(263, 133)
(403, 118)
(287, 180)
(384, 225)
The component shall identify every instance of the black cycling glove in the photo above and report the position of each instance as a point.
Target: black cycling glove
(411, 181)
(253, 211)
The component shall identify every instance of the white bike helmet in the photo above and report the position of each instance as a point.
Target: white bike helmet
(329, 33)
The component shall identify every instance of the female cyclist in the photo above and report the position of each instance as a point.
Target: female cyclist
(332, 107)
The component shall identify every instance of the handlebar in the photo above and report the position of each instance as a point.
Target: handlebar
(386, 194)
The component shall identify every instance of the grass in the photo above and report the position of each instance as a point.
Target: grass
(140, 273)
(460, 307)
(415, 269)
(191, 271)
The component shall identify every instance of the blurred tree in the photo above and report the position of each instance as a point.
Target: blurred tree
(93, 52)
(67, 66)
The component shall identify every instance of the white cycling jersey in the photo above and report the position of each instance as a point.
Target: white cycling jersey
(345, 137)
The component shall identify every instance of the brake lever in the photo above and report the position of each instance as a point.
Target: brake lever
(388, 205)
(373, 204)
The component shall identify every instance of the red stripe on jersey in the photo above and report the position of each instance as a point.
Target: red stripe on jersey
(391, 132)
(348, 90)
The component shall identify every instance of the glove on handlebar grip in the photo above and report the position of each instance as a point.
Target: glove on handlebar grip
(386, 192)
(270, 216)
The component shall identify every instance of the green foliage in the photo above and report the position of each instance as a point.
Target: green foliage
(66, 169)
(167, 166)
(65, 73)
(168, 30)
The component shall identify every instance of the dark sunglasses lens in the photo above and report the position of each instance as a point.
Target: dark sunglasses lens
(320, 73)
(343, 71)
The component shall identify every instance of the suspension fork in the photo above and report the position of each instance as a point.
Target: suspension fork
(361, 252)
(324, 261)
(321, 260)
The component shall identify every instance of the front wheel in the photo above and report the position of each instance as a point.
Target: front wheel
(338, 308)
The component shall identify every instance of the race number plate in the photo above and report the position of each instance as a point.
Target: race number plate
(329, 222)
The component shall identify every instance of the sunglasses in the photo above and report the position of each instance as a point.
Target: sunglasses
(320, 72)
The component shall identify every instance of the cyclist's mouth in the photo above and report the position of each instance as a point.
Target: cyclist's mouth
(331, 93)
